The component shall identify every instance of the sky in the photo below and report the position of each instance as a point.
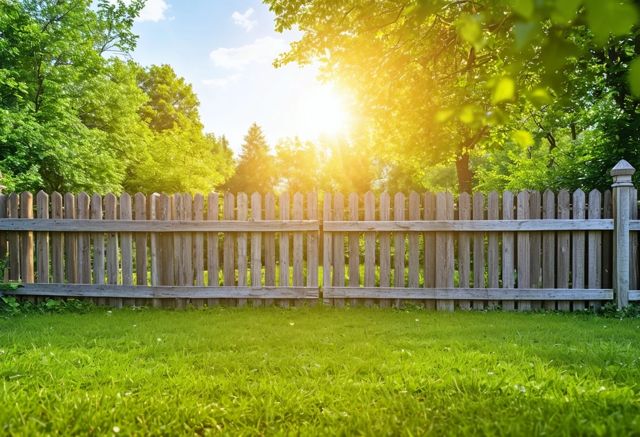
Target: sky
(225, 49)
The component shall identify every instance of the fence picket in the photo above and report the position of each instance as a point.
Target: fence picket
(98, 242)
(229, 271)
(338, 247)
(508, 250)
(312, 242)
(213, 262)
(110, 213)
(140, 210)
(84, 242)
(269, 245)
(154, 207)
(414, 241)
(444, 250)
(578, 247)
(125, 242)
(42, 240)
(256, 243)
(198, 243)
(70, 240)
(634, 273)
(493, 254)
(535, 243)
(607, 242)
(168, 275)
(398, 242)
(327, 250)
(241, 239)
(564, 244)
(26, 240)
(478, 249)
(3, 237)
(524, 250)
(549, 247)
(464, 249)
(369, 242)
(385, 247)
(594, 246)
(354, 245)
(298, 248)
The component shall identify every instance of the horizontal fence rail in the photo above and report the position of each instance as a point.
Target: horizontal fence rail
(516, 251)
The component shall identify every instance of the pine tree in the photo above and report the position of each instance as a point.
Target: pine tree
(255, 170)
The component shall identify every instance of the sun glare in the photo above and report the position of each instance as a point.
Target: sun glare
(323, 111)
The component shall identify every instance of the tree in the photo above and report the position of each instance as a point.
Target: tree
(299, 165)
(255, 171)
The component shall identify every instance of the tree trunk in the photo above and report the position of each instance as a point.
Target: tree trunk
(465, 175)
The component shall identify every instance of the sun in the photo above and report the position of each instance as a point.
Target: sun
(323, 111)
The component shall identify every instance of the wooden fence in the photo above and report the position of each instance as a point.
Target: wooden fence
(524, 251)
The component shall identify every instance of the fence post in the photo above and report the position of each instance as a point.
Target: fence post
(622, 186)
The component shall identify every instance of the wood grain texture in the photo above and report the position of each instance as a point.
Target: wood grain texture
(140, 213)
(464, 248)
(98, 242)
(508, 250)
(413, 279)
(42, 240)
(256, 242)
(493, 247)
(285, 211)
(549, 247)
(578, 248)
(70, 240)
(607, 241)
(327, 243)
(564, 245)
(26, 240)
(354, 243)
(3, 237)
(198, 241)
(399, 241)
(594, 246)
(369, 241)
(213, 261)
(312, 242)
(478, 248)
(535, 244)
(242, 214)
(524, 249)
(385, 247)
(269, 242)
(338, 246)
(113, 267)
(126, 241)
(229, 270)
(298, 240)
(83, 202)
(444, 250)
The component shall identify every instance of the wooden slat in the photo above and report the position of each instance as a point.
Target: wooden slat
(168, 270)
(327, 240)
(444, 250)
(535, 243)
(524, 250)
(284, 241)
(338, 246)
(213, 262)
(178, 264)
(369, 241)
(168, 292)
(298, 248)
(414, 241)
(312, 242)
(26, 240)
(98, 241)
(110, 211)
(607, 241)
(634, 272)
(429, 248)
(57, 246)
(578, 248)
(84, 242)
(70, 240)
(508, 250)
(398, 241)
(256, 242)
(354, 243)
(213, 257)
(140, 213)
(549, 247)
(385, 243)
(42, 240)
(564, 245)
(198, 241)
(154, 206)
(242, 214)
(483, 294)
(594, 246)
(3, 237)
(187, 241)
(125, 241)
(464, 249)
(269, 243)
(229, 272)
(13, 211)
(478, 248)
(493, 249)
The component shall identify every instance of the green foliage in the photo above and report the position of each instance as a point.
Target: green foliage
(11, 306)
(308, 371)
(255, 171)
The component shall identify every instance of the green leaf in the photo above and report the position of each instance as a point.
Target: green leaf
(524, 8)
(523, 138)
(564, 11)
(634, 77)
(610, 17)
(525, 32)
(504, 90)
(470, 29)
(540, 97)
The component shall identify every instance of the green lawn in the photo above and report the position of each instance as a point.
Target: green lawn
(318, 371)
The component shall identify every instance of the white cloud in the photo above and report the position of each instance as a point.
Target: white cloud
(154, 10)
(221, 82)
(261, 51)
(244, 19)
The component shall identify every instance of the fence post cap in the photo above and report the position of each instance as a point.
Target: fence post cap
(622, 168)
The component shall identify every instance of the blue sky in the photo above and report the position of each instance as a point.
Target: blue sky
(225, 49)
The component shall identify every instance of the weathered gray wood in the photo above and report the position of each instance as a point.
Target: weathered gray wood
(622, 187)
(549, 247)
(478, 248)
(298, 248)
(187, 241)
(385, 247)
(354, 243)
(154, 206)
(414, 241)
(634, 273)
(229, 270)
(98, 241)
(578, 248)
(13, 212)
(398, 241)
(242, 214)
(42, 240)
(269, 243)
(444, 250)
(508, 250)
(26, 240)
(110, 211)
(198, 241)
(429, 248)
(493, 250)
(607, 242)
(83, 240)
(125, 241)
(594, 246)
(483, 294)
(524, 250)
(177, 210)
(213, 262)
(168, 261)
(535, 243)
(256, 242)
(70, 240)
(338, 246)
(312, 242)
(327, 240)
(369, 241)
(169, 292)
(57, 247)
(634, 295)
(213, 257)
(140, 211)
(464, 249)
(284, 241)
(564, 244)
(3, 237)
